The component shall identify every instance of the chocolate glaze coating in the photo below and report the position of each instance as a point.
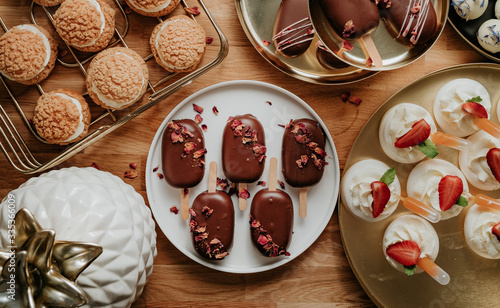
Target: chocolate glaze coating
(328, 60)
(179, 171)
(293, 14)
(292, 150)
(239, 162)
(363, 13)
(220, 224)
(395, 16)
(274, 211)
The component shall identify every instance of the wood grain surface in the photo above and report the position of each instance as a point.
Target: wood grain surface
(319, 277)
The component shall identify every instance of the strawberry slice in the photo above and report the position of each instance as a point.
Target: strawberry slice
(381, 195)
(406, 252)
(418, 133)
(493, 160)
(450, 188)
(496, 230)
(475, 109)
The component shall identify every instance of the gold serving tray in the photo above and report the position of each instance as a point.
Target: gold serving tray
(474, 280)
(394, 53)
(257, 19)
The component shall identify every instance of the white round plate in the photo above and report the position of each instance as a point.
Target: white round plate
(237, 98)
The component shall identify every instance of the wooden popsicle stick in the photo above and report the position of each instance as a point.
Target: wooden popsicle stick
(242, 202)
(273, 173)
(370, 50)
(212, 177)
(303, 202)
(184, 204)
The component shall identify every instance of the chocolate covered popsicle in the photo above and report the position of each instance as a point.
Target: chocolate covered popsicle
(212, 220)
(183, 157)
(243, 152)
(293, 30)
(303, 156)
(355, 19)
(271, 217)
(413, 21)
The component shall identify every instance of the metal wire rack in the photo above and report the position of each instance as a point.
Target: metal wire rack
(17, 151)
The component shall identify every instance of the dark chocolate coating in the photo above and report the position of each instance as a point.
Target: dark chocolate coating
(395, 15)
(220, 224)
(328, 60)
(289, 13)
(239, 162)
(274, 211)
(291, 151)
(179, 171)
(363, 13)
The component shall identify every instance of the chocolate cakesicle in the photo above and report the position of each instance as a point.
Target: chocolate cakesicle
(243, 152)
(354, 19)
(293, 30)
(183, 157)
(412, 20)
(271, 217)
(212, 220)
(303, 156)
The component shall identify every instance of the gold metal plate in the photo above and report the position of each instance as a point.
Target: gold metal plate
(257, 19)
(394, 53)
(467, 29)
(474, 280)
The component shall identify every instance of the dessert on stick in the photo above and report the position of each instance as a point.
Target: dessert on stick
(482, 231)
(183, 158)
(439, 184)
(480, 163)
(243, 153)
(407, 134)
(271, 217)
(303, 157)
(411, 245)
(355, 19)
(293, 31)
(212, 220)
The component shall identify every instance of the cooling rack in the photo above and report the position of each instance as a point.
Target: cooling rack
(17, 150)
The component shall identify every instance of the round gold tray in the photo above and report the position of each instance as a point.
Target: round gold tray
(474, 280)
(257, 19)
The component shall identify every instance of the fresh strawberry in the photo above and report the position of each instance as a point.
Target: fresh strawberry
(450, 188)
(475, 109)
(493, 160)
(406, 252)
(496, 230)
(418, 133)
(381, 195)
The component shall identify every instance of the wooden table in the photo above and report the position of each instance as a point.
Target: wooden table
(321, 275)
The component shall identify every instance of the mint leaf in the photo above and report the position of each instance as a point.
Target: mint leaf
(409, 270)
(476, 99)
(389, 176)
(461, 201)
(428, 148)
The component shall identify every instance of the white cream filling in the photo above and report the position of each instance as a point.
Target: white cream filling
(46, 44)
(156, 9)
(81, 125)
(478, 231)
(411, 228)
(111, 103)
(103, 24)
(164, 25)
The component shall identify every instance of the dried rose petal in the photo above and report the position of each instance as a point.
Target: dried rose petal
(199, 153)
(156, 168)
(207, 211)
(186, 132)
(185, 191)
(209, 40)
(133, 166)
(282, 125)
(269, 103)
(200, 229)
(176, 137)
(215, 241)
(345, 96)
(201, 237)
(281, 184)
(287, 253)
(160, 176)
(346, 46)
(95, 166)
(192, 224)
(266, 43)
(349, 29)
(232, 189)
(198, 119)
(215, 110)
(204, 127)
(189, 146)
(198, 108)
(131, 174)
(174, 209)
(320, 152)
(255, 223)
(259, 149)
(192, 10)
(223, 183)
(369, 62)
(262, 240)
(355, 100)
(243, 193)
(302, 139)
(261, 183)
(192, 212)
